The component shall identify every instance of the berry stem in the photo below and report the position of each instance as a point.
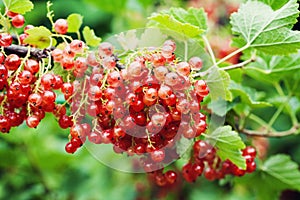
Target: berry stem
(239, 65)
(186, 48)
(83, 100)
(50, 14)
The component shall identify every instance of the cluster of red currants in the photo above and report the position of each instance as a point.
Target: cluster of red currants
(142, 106)
(17, 21)
(206, 162)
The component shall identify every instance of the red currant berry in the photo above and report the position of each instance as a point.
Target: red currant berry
(70, 147)
(5, 39)
(18, 21)
(32, 121)
(61, 26)
(12, 62)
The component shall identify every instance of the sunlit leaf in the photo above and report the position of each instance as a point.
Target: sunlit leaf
(39, 37)
(90, 38)
(260, 27)
(19, 6)
(229, 145)
(74, 22)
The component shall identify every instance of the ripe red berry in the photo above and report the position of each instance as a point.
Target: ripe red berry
(158, 155)
(171, 176)
(11, 14)
(3, 72)
(25, 77)
(48, 81)
(32, 66)
(32, 121)
(5, 39)
(12, 62)
(18, 21)
(61, 26)
(70, 147)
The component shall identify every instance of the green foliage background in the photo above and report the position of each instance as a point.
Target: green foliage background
(34, 165)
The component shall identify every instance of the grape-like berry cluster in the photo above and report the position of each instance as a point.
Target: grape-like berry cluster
(206, 162)
(143, 102)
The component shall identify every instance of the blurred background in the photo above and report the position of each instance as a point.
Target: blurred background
(34, 164)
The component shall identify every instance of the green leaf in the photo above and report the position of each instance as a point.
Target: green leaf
(183, 30)
(74, 22)
(275, 4)
(260, 27)
(182, 23)
(194, 16)
(273, 68)
(218, 83)
(90, 38)
(229, 145)
(247, 95)
(157, 38)
(19, 6)
(39, 37)
(280, 169)
(128, 40)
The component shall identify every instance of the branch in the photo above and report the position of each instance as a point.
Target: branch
(268, 133)
(23, 50)
(239, 65)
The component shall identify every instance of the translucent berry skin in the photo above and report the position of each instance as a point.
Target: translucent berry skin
(32, 66)
(196, 62)
(171, 176)
(12, 62)
(61, 26)
(18, 21)
(5, 39)
(3, 72)
(77, 46)
(158, 155)
(25, 77)
(70, 148)
(11, 14)
(105, 49)
(32, 121)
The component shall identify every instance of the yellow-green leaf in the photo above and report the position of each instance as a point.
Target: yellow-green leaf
(18, 6)
(74, 22)
(90, 38)
(39, 37)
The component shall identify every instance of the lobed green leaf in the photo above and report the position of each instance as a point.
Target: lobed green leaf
(90, 38)
(40, 37)
(247, 95)
(273, 68)
(18, 6)
(218, 83)
(74, 22)
(229, 145)
(258, 26)
(180, 23)
(280, 169)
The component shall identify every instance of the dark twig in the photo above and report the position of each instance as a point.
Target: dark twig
(22, 51)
